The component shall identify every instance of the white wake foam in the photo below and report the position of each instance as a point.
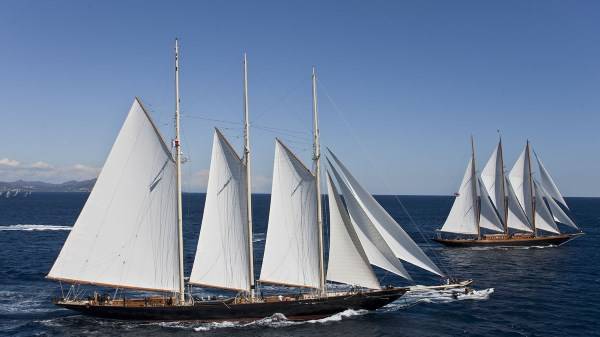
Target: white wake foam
(416, 296)
(29, 228)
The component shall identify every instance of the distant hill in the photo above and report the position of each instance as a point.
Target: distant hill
(40, 186)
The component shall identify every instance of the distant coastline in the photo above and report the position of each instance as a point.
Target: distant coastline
(40, 186)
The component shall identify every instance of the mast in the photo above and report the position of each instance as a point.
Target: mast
(474, 188)
(317, 173)
(181, 294)
(248, 180)
(528, 154)
(504, 198)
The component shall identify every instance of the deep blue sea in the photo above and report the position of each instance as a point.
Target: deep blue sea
(520, 292)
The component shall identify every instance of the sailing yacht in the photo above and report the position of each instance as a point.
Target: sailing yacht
(129, 234)
(523, 208)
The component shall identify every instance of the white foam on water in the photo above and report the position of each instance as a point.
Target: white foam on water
(424, 295)
(30, 228)
(12, 302)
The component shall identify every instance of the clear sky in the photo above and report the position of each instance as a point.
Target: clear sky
(402, 84)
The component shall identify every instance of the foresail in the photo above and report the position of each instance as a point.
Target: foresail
(292, 248)
(543, 218)
(516, 216)
(222, 253)
(376, 248)
(401, 243)
(488, 217)
(492, 178)
(126, 234)
(348, 262)
(462, 217)
(558, 213)
(548, 183)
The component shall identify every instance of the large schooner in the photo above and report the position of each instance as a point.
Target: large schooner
(523, 208)
(129, 234)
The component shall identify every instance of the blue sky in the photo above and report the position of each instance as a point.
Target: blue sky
(402, 84)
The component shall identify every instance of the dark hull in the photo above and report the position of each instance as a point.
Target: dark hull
(555, 240)
(304, 309)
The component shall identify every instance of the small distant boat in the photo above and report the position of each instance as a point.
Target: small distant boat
(524, 208)
(129, 235)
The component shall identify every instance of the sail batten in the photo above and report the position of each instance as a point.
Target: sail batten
(291, 253)
(222, 256)
(126, 234)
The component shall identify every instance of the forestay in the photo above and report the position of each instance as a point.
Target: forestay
(126, 234)
(292, 248)
(222, 255)
(348, 262)
(492, 178)
(462, 218)
(403, 246)
(376, 248)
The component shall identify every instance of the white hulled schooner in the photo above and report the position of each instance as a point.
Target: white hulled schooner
(129, 234)
(521, 208)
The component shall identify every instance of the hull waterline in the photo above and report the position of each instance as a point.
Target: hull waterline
(210, 311)
(540, 241)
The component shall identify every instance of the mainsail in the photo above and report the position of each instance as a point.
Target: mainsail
(126, 234)
(291, 254)
(492, 178)
(401, 244)
(516, 218)
(462, 218)
(348, 262)
(222, 255)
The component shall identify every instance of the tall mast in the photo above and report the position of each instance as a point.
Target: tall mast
(474, 188)
(248, 180)
(317, 165)
(181, 295)
(504, 198)
(528, 158)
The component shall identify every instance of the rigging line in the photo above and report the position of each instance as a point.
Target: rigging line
(412, 221)
(295, 87)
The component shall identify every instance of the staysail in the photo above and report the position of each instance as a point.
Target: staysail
(376, 248)
(348, 262)
(520, 179)
(291, 254)
(547, 183)
(492, 178)
(222, 255)
(516, 215)
(403, 246)
(126, 234)
(543, 218)
(462, 218)
(488, 218)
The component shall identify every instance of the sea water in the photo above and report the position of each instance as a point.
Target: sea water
(518, 292)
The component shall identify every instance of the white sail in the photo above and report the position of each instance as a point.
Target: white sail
(378, 251)
(557, 212)
(488, 217)
(222, 255)
(291, 254)
(543, 218)
(126, 234)
(462, 216)
(348, 262)
(403, 246)
(492, 178)
(516, 216)
(548, 183)
(520, 179)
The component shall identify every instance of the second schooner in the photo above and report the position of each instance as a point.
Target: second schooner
(522, 208)
(129, 234)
